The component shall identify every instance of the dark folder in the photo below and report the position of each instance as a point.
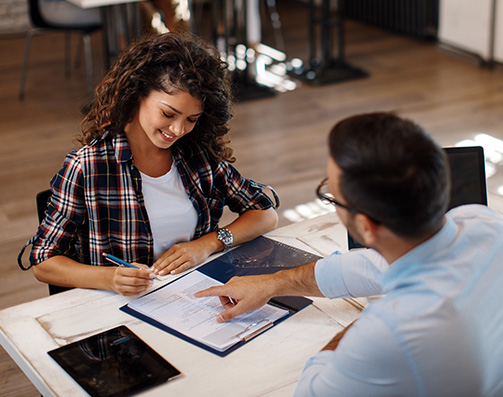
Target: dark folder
(259, 256)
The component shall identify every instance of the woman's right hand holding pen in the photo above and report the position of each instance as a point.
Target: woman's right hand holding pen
(130, 281)
(63, 271)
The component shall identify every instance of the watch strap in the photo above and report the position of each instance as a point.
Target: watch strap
(225, 236)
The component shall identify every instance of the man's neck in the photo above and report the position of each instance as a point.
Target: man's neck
(393, 247)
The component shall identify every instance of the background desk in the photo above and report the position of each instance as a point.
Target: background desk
(269, 365)
(121, 24)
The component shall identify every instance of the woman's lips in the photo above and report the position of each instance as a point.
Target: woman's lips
(167, 137)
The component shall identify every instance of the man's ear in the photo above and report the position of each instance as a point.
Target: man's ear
(366, 228)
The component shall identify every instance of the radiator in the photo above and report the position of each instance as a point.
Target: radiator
(418, 18)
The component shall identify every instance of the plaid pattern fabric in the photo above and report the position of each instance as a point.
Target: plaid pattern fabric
(97, 203)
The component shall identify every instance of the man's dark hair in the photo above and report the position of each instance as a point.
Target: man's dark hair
(392, 171)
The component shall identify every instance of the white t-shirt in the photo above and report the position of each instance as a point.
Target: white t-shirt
(172, 216)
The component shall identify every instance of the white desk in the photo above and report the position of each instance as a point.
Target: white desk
(268, 365)
(121, 24)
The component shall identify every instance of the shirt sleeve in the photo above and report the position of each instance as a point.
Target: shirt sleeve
(241, 194)
(58, 233)
(354, 274)
(369, 361)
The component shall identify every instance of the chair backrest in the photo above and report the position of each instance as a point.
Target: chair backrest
(35, 15)
(38, 20)
(42, 200)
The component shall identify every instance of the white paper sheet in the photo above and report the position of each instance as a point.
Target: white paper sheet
(175, 306)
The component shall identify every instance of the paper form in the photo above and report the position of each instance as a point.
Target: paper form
(175, 306)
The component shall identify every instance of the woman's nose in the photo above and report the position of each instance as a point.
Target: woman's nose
(177, 128)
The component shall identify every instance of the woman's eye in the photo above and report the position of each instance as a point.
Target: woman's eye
(167, 115)
(192, 120)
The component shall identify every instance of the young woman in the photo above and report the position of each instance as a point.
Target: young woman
(150, 183)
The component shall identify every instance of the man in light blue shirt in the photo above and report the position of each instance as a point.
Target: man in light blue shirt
(438, 329)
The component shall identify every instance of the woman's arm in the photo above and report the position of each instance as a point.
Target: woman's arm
(251, 224)
(247, 226)
(65, 272)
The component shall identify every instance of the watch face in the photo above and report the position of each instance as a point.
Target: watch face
(225, 236)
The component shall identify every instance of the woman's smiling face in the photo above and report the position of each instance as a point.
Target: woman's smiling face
(164, 118)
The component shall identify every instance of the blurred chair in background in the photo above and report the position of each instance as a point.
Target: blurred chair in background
(62, 16)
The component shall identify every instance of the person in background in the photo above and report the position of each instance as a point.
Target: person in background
(151, 181)
(437, 330)
(166, 15)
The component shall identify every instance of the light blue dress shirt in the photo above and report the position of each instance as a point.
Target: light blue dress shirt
(437, 331)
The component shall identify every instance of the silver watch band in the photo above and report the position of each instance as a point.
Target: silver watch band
(225, 236)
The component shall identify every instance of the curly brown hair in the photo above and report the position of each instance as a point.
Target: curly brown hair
(169, 62)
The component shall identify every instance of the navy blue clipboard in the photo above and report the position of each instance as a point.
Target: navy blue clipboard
(173, 332)
(259, 256)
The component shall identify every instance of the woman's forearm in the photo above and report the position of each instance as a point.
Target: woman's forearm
(65, 272)
(252, 224)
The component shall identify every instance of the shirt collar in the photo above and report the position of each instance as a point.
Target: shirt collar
(418, 256)
(123, 152)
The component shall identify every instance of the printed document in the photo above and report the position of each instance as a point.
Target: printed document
(174, 306)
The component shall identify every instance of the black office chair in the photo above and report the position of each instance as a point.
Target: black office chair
(42, 200)
(40, 25)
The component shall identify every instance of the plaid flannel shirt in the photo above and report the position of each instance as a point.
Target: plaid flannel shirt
(97, 203)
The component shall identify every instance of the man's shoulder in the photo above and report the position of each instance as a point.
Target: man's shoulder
(473, 211)
(476, 219)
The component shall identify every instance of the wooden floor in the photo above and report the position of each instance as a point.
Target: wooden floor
(279, 140)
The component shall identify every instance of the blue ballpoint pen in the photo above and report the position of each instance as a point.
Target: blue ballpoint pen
(120, 262)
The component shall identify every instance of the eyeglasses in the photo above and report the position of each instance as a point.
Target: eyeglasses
(325, 196)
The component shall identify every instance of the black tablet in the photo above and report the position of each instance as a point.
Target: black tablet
(114, 363)
(468, 175)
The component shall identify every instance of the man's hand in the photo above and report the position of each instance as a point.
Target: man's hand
(241, 295)
(244, 294)
(129, 281)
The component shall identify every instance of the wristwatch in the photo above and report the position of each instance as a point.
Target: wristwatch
(225, 236)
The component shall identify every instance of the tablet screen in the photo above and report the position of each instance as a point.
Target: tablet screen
(114, 363)
(468, 177)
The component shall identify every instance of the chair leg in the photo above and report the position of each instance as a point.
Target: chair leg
(67, 54)
(276, 24)
(29, 36)
(89, 65)
(78, 54)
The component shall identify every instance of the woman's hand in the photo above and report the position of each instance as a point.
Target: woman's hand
(129, 281)
(182, 256)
